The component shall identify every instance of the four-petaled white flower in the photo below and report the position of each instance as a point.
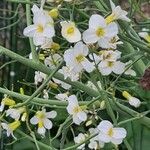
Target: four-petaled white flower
(52, 61)
(107, 67)
(99, 31)
(15, 113)
(11, 127)
(76, 58)
(78, 113)
(70, 32)
(117, 13)
(41, 29)
(133, 101)
(42, 119)
(108, 133)
(79, 139)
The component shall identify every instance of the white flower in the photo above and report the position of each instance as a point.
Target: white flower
(117, 13)
(107, 67)
(99, 31)
(95, 143)
(68, 72)
(47, 43)
(42, 119)
(145, 36)
(39, 77)
(79, 115)
(111, 43)
(133, 101)
(110, 55)
(52, 61)
(75, 58)
(108, 133)
(15, 113)
(41, 29)
(79, 139)
(62, 96)
(70, 32)
(6, 102)
(11, 127)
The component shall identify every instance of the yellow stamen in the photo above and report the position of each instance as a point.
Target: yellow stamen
(14, 125)
(126, 94)
(110, 18)
(40, 124)
(53, 85)
(40, 115)
(54, 13)
(100, 32)
(80, 58)
(147, 38)
(9, 102)
(24, 116)
(55, 46)
(110, 132)
(110, 64)
(70, 30)
(40, 28)
(77, 109)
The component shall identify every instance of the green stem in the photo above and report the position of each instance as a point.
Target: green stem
(46, 147)
(77, 145)
(29, 22)
(41, 67)
(40, 88)
(38, 100)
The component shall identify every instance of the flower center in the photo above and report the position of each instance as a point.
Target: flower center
(80, 58)
(40, 115)
(40, 28)
(40, 124)
(100, 32)
(110, 64)
(147, 38)
(77, 109)
(14, 125)
(126, 94)
(110, 132)
(70, 30)
(8, 101)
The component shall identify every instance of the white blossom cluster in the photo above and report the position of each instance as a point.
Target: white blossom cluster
(79, 58)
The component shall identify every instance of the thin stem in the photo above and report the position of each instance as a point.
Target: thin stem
(29, 22)
(40, 88)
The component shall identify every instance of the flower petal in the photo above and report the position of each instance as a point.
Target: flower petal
(119, 133)
(82, 116)
(89, 36)
(104, 126)
(97, 21)
(47, 123)
(34, 120)
(51, 114)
